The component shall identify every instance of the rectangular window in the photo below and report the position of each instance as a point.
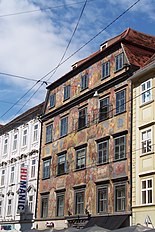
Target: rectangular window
(2, 177)
(81, 158)
(102, 199)
(52, 100)
(44, 206)
(12, 175)
(24, 138)
(120, 198)
(33, 168)
(35, 133)
(60, 204)
(104, 109)
(146, 141)
(5, 146)
(66, 92)
(9, 211)
(46, 169)
(120, 101)
(84, 82)
(49, 132)
(103, 152)
(61, 164)
(119, 62)
(64, 126)
(120, 147)
(1, 207)
(79, 202)
(105, 69)
(31, 203)
(146, 90)
(15, 142)
(82, 121)
(147, 191)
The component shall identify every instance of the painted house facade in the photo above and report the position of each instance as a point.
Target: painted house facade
(85, 163)
(143, 154)
(19, 148)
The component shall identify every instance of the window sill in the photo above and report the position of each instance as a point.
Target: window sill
(99, 164)
(51, 107)
(146, 103)
(79, 169)
(120, 113)
(62, 174)
(66, 99)
(83, 89)
(147, 153)
(62, 136)
(46, 178)
(103, 78)
(120, 69)
(82, 128)
(118, 160)
(48, 142)
(104, 119)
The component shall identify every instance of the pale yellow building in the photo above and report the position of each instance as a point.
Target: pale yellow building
(143, 145)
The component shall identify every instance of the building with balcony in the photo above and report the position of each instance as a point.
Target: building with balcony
(85, 162)
(19, 147)
(143, 145)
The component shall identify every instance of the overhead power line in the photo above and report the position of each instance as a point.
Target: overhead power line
(84, 45)
(20, 77)
(61, 57)
(42, 9)
(75, 29)
(112, 22)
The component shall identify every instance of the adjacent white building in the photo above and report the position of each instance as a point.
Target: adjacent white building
(19, 147)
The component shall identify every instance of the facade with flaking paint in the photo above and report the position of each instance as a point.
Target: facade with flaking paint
(85, 160)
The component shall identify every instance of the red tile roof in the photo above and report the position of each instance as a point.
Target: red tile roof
(138, 46)
(136, 55)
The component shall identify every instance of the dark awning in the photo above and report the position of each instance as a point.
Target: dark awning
(110, 222)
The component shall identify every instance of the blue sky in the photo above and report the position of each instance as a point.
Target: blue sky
(32, 43)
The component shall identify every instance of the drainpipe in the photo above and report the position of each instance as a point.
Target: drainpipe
(38, 168)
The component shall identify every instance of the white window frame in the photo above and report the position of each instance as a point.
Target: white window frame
(3, 177)
(30, 202)
(33, 168)
(5, 148)
(1, 207)
(9, 208)
(24, 139)
(146, 191)
(146, 91)
(35, 132)
(12, 174)
(15, 139)
(148, 140)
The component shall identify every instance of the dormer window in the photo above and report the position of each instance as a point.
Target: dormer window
(52, 100)
(119, 62)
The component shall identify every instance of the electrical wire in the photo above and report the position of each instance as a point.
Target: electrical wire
(20, 77)
(42, 9)
(75, 29)
(60, 59)
(113, 21)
